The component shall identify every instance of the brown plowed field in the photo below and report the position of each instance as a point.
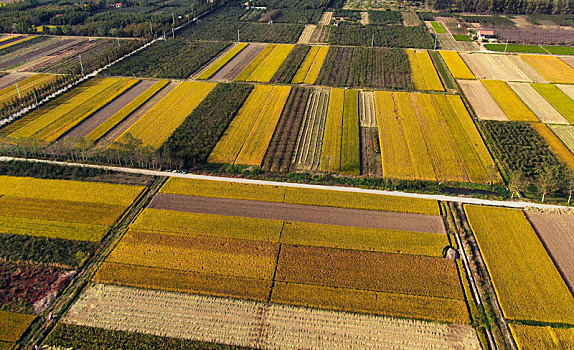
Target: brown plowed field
(371, 161)
(282, 146)
(299, 213)
(310, 138)
(557, 233)
(232, 69)
(481, 101)
(71, 49)
(44, 51)
(10, 79)
(119, 129)
(320, 35)
(88, 125)
(383, 272)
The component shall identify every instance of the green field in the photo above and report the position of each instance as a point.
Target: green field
(515, 48)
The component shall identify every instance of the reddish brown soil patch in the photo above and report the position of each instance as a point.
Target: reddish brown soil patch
(234, 67)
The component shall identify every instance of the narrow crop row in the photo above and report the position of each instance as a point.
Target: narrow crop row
(424, 74)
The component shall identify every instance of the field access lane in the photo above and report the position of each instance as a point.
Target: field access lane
(299, 213)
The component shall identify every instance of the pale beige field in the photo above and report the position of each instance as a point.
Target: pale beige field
(481, 101)
(537, 104)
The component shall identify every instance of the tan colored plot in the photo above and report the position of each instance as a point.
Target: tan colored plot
(306, 34)
(557, 233)
(367, 109)
(203, 254)
(481, 101)
(566, 134)
(231, 143)
(551, 68)
(371, 302)
(527, 69)
(476, 65)
(256, 143)
(537, 104)
(382, 272)
(568, 60)
(502, 67)
(509, 102)
(183, 281)
(567, 89)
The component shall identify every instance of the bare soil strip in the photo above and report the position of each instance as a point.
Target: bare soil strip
(210, 63)
(537, 104)
(367, 109)
(326, 18)
(371, 161)
(10, 79)
(557, 233)
(481, 101)
(39, 64)
(299, 213)
(48, 50)
(310, 139)
(257, 325)
(307, 33)
(119, 129)
(88, 125)
(232, 69)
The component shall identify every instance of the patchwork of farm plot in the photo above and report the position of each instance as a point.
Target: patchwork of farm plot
(49, 229)
(275, 259)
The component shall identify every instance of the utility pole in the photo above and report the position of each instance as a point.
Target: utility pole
(173, 18)
(237, 35)
(151, 29)
(18, 88)
(81, 64)
(435, 41)
(36, 96)
(118, 40)
(173, 33)
(506, 46)
(373, 40)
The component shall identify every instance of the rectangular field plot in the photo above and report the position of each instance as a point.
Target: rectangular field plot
(266, 68)
(231, 70)
(311, 66)
(537, 104)
(221, 61)
(229, 321)
(555, 144)
(406, 154)
(13, 326)
(528, 285)
(62, 114)
(509, 101)
(551, 68)
(482, 101)
(501, 67)
(533, 337)
(558, 99)
(155, 127)
(247, 138)
(25, 86)
(456, 65)
(424, 74)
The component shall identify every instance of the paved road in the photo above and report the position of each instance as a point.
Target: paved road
(465, 200)
(299, 213)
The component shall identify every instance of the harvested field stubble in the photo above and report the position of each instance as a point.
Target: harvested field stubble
(537, 104)
(367, 109)
(565, 134)
(235, 66)
(350, 143)
(558, 99)
(526, 281)
(509, 102)
(481, 100)
(229, 321)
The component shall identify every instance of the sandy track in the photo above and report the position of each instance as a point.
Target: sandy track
(326, 18)
(307, 33)
(234, 67)
(88, 125)
(257, 325)
(371, 161)
(557, 233)
(119, 129)
(10, 79)
(481, 101)
(537, 104)
(310, 139)
(367, 109)
(299, 213)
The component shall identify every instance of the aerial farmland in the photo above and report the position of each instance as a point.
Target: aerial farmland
(300, 174)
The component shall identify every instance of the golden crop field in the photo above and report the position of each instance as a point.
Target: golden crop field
(246, 139)
(456, 65)
(371, 302)
(350, 138)
(509, 102)
(223, 189)
(222, 61)
(252, 66)
(558, 99)
(269, 66)
(528, 285)
(107, 125)
(311, 66)
(7, 183)
(551, 68)
(340, 199)
(368, 239)
(183, 281)
(49, 124)
(534, 337)
(52, 229)
(331, 150)
(256, 143)
(13, 325)
(27, 85)
(555, 144)
(19, 41)
(61, 210)
(155, 127)
(198, 225)
(231, 143)
(408, 152)
(424, 74)
(201, 254)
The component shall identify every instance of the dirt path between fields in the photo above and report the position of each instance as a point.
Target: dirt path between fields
(234, 67)
(299, 213)
(88, 125)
